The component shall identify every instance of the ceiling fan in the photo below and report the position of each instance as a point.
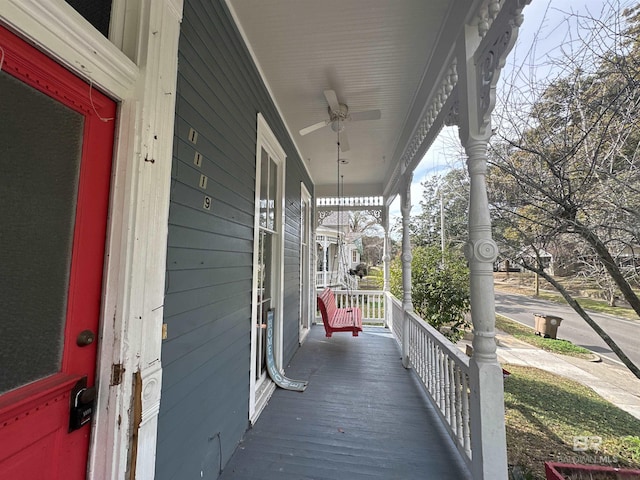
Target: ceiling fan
(338, 115)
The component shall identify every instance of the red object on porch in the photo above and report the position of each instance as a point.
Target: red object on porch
(558, 471)
(338, 319)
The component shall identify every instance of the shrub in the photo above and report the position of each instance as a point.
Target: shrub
(439, 289)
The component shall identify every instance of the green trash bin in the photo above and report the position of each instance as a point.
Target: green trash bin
(547, 325)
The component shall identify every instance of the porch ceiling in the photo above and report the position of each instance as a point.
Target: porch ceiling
(375, 54)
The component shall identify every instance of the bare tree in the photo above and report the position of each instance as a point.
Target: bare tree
(366, 232)
(372, 249)
(565, 164)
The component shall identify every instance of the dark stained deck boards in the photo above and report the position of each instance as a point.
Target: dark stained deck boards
(363, 416)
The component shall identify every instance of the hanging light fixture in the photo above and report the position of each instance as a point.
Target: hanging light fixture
(337, 125)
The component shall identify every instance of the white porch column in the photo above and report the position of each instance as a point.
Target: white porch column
(325, 247)
(407, 304)
(405, 208)
(386, 260)
(386, 254)
(480, 56)
(488, 440)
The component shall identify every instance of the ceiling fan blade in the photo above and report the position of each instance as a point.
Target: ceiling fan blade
(314, 127)
(366, 115)
(332, 100)
(344, 142)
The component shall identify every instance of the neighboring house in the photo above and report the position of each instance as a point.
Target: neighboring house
(158, 200)
(545, 258)
(567, 262)
(337, 252)
(629, 256)
(527, 256)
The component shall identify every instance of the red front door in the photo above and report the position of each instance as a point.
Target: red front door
(56, 145)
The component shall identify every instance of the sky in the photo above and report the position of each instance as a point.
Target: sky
(544, 33)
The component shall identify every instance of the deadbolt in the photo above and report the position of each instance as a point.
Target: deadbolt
(86, 337)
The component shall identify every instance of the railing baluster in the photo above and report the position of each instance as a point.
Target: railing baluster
(420, 359)
(430, 367)
(452, 393)
(459, 392)
(466, 425)
(447, 390)
(436, 353)
(443, 382)
(425, 363)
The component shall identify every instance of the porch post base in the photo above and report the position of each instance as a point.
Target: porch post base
(488, 441)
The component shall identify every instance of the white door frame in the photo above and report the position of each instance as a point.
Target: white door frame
(260, 390)
(307, 278)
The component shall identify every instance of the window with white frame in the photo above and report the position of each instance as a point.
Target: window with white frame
(268, 261)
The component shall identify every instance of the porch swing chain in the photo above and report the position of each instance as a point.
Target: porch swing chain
(342, 259)
(336, 269)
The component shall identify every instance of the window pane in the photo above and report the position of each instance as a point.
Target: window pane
(267, 257)
(265, 294)
(96, 12)
(260, 265)
(304, 223)
(264, 190)
(40, 148)
(273, 176)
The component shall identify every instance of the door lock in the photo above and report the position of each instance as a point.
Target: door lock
(81, 404)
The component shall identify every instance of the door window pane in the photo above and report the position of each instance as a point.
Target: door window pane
(268, 190)
(303, 223)
(272, 194)
(264, 190)
(265, 294)
(40, 149)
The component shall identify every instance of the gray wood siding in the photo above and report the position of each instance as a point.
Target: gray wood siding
(290, 341)
(206, 357)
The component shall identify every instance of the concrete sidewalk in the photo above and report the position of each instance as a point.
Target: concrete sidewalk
(611, 381)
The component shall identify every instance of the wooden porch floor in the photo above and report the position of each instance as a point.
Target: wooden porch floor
(363, 416)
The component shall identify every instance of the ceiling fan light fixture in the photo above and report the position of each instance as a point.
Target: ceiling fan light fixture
(338, 115)
(337, 125)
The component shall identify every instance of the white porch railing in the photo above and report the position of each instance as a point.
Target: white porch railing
(443, 371)
(320, 278)
(394, 312)
(331, 278)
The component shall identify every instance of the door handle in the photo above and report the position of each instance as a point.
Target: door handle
(85, 337)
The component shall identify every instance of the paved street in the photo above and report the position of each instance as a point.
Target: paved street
(626, 333)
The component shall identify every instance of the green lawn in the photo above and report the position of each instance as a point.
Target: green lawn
(526, 334)
(544, 412)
